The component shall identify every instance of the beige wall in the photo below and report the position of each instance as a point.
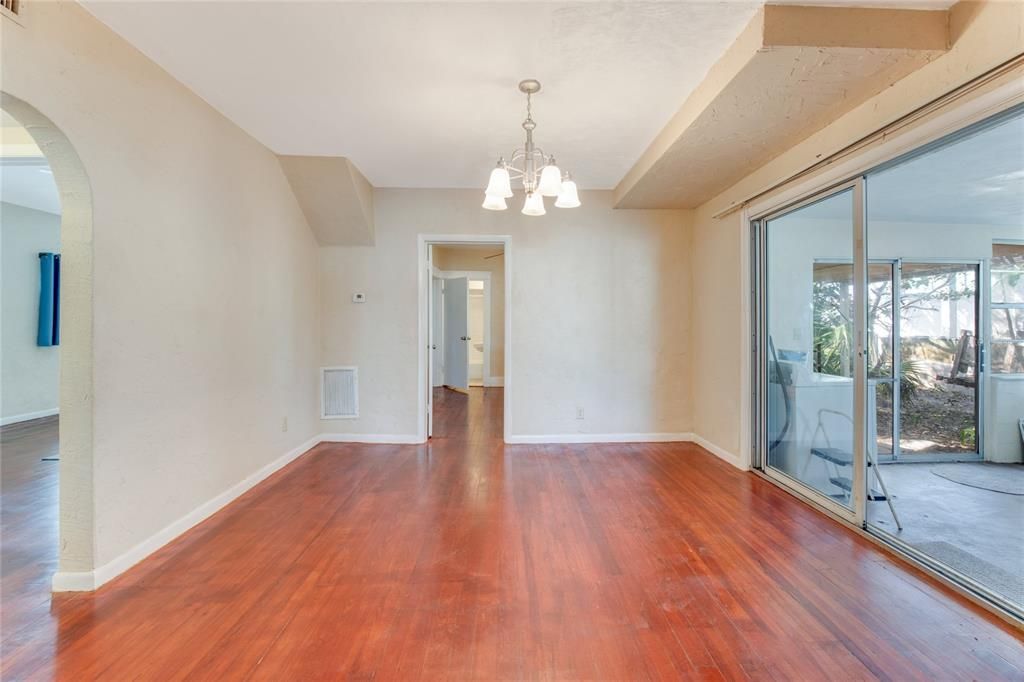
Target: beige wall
(30, 373)
(599, 314)
(986, 35)
(204, 291)
(717, 336)
(475, 260)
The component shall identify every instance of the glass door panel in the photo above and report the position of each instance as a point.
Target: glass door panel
(952, 219)
(807, 311)
(939, 352)
(883, 327)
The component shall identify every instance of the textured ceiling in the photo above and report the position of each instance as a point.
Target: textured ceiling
(424, 94)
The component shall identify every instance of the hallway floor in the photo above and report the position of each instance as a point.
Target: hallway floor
(466, 558)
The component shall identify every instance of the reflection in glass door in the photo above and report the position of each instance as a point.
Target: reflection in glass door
(807, 318)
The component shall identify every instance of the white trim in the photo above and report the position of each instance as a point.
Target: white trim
(28, 416)
(422, 380)
(80, 581)
(600, 438)
(410, 439)
(73, 581)
(494, 381)
(720, 452)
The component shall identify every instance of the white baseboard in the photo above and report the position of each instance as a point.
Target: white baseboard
(73, 581)
(718, 451)
(64, 581)
(369, 438)
(601, 438)
(494, 381)
(28, 416)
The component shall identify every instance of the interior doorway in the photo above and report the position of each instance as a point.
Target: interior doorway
(47, 468)
(30, 241)
(465, 318)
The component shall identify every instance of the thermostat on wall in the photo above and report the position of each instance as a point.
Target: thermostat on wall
(359, 298)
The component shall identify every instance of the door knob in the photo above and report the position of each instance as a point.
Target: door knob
(464, 338)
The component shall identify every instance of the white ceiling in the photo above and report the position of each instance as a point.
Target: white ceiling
(974, 179)
(25, 177)
(29, 184)
(424, 94)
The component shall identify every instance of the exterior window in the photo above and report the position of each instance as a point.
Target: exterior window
(1007, 345)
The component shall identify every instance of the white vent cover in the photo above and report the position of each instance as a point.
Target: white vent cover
(339, 392)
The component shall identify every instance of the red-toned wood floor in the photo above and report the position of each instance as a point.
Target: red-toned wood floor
(470, 559)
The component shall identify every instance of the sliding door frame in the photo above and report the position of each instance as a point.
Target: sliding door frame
(1004, 100)
(759, 335)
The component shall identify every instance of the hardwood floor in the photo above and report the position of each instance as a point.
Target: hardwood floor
(28, 520)
(470, 559)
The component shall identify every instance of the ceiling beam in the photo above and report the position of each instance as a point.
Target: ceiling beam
(791, 71)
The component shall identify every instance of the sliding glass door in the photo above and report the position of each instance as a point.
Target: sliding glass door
(807, 319)
(944, 216)
(889, 354)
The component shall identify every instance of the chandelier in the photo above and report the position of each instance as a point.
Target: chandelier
(540, 175)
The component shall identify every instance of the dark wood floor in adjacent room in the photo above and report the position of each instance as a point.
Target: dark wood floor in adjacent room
(470, 559)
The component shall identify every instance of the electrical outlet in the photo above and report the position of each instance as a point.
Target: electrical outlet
(579, 413)
(284, 424)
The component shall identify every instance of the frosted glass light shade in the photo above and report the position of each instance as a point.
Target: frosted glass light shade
(534, 204)
(568, 197)
(550, 181)
(500, 185)
(493, 203)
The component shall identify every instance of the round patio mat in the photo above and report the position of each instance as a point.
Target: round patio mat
(1000, 478)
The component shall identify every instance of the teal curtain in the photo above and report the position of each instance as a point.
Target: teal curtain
(49, 300)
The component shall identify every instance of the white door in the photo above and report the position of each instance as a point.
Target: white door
(437, 332)
(456, 334)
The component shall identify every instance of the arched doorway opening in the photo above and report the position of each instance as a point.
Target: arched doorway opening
(75, 541)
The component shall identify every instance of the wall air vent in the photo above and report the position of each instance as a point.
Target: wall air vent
(12, 6)
(339, 392)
